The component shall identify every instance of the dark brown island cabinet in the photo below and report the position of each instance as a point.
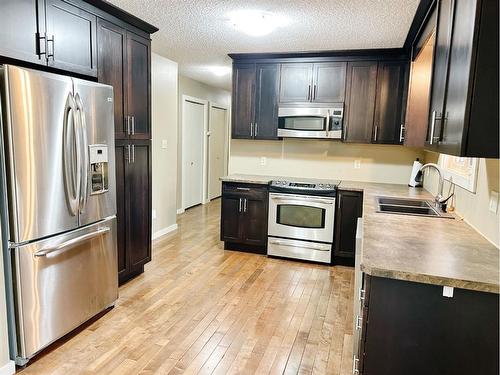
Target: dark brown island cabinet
(95, 40)
(410, 328)
(244, 212)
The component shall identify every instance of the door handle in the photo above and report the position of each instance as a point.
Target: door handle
(84, 146)
(39, 44)
(128, 125)
(256, 129)
(70, 243)
(401, 132)
(309, 93)
(359, 322)
(375, 136)
(251, 130)
(435, 117)
(240, 206)
(302, 246)
(51, 53)
(245, 205)
(129, 155)
(133, 125)
(133, 153)
(71, 171)
(314, 93)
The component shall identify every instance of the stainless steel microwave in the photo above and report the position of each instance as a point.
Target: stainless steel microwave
(315, 122)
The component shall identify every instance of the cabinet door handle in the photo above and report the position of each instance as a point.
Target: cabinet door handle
(51, 53)
(375, 136)
(435, 117)
(133, 153)
(245, 205)
(39, 44)
(359, 322)
(128, 125)
(251, 130)
(309, 93)
(401, 133)
(256, 129)
(242, 188)
(355, 364)
(239, 210)
(361, 294)
(128, 154)
(133, 125)
(314, 93)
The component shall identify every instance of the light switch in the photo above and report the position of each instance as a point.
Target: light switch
(263, 161)
(448, 291)
(164, 143)
(494, 201)
(357, 164)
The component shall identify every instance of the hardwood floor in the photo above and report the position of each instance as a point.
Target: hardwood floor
(200, 309)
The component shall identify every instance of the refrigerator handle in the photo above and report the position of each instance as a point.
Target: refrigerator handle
(71, 171)
(84, 147)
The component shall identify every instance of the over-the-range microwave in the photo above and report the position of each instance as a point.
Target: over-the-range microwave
(310, 122)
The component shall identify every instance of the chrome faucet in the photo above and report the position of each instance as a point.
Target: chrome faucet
(439, 197)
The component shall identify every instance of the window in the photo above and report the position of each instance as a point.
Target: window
(460, 171)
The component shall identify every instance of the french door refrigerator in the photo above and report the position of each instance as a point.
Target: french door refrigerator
(58, 137)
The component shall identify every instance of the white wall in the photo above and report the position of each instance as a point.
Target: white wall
(164, 82)
(323, 159)
(190, 87)
(473, 207)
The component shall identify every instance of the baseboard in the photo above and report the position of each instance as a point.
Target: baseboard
(180, 211)
(163, 232)
(8, 369)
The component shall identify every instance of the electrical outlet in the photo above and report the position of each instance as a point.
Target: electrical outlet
(153, 214)
(163, 143)
(357, 164)
(263, 161)
(494, 201)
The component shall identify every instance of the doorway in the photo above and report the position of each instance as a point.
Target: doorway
(217, 149)
(194, 125)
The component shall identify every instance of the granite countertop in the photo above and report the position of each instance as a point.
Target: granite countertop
(429, 250)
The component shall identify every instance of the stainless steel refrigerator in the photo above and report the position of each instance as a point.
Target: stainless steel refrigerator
(58, 136)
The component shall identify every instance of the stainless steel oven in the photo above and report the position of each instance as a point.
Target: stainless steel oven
(307, 122)
(301, 220)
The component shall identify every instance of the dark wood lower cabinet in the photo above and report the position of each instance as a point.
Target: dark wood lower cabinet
(349, 209)
(244, 217)
(411, 328)
(133, 174)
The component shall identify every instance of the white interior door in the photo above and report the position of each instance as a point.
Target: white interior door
(216, 150)
(192, 152)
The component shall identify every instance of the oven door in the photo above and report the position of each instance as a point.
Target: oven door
(301, 217)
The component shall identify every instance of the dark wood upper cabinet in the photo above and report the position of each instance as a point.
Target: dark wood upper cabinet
(243, 100)
(312, 82)
(329, 82)
(21, 22)
(464, 98)
(349, 209)
(390, 102)
(296, 83)
(360, 101)
(111, 68)
(71, 38)
(138, 79)
(266, 101)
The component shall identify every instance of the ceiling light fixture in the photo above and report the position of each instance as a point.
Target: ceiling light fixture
(220, 71)
(256, 23)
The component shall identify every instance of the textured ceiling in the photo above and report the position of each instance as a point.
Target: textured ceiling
(197, 33)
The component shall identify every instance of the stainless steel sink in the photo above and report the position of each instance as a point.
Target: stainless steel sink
(404, 206)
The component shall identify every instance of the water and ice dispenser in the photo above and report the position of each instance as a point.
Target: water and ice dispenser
(98, 158)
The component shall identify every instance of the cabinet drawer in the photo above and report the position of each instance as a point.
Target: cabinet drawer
(253, 190)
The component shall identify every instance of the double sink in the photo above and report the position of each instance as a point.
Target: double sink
(404, 206)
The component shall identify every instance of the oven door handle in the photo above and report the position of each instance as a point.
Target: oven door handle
(302, 199)
(302, 246)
